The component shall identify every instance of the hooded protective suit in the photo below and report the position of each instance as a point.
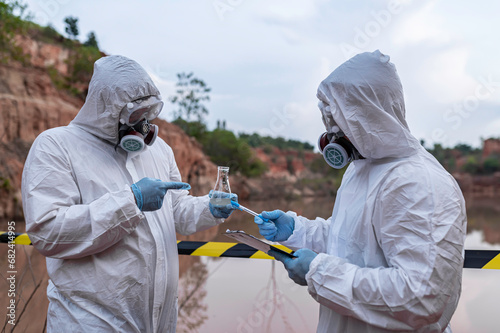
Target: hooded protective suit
(112, 268)
(390, 256)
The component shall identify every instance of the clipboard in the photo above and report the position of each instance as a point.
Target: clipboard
(254, 242)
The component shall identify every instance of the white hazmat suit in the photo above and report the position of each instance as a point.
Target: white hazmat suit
(112, 268)
(391, 255)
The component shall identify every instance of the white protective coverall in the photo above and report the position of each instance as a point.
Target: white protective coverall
(390, 256)
(112, 268)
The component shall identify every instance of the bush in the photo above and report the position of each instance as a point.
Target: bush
(91, 40)
(319, 166)
(57, 79)
(196, 129)
(491, 164)
(5, 184)
(49, 34)
(225, 149)
(255, 140)
(471, 166)
(83, 63)
(10, 25)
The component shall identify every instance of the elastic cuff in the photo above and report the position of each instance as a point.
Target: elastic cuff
(138, 195)
(296, 238)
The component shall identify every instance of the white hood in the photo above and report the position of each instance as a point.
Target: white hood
(390, 256)
(116, 81)
(112, 267)
(366, 101)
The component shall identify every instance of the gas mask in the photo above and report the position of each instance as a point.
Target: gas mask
(337, 149)
(135, 131)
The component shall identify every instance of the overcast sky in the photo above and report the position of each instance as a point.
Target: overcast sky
(265, 59)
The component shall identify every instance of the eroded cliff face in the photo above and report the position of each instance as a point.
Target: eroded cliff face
(30, 103)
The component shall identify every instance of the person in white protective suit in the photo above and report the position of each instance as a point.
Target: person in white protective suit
(104, 207)
(390, 257)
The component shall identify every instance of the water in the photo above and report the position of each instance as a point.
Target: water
(478, 308)
(220, 201)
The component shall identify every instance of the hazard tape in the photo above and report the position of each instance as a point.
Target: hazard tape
(223, 250)
(14, 238)
(206, 249)
(482, 259)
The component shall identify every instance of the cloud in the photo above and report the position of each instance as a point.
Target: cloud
(422, 25)
(492, 129)
(287, 10)
(296, 120)
(445, 78)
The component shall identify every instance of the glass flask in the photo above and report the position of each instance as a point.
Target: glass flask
(222, 190)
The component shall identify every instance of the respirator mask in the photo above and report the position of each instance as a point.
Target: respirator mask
(336, 148)
(135, 131)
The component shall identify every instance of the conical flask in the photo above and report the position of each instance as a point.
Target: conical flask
(222, 190)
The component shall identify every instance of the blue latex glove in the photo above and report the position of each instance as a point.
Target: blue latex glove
(297, 267)
(149, 192)
(222, 211)
(279, 226)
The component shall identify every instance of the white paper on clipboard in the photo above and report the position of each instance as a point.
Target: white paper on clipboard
(252, 241)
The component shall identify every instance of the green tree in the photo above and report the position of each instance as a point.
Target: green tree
(91, 40)
(196, 129)
(255, 140)
(491, 164)
(451, 164)
(190, 95)
(465, 149)
(471, 165)
(11, 23)
(82, 63)
(50, 34)
(71, 27)
(225, 149)
(439, 153)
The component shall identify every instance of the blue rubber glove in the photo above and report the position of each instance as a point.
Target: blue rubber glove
(297, 267)
(279, 227)
(149, 192)
(218, 210)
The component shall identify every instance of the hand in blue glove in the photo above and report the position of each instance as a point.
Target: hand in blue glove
(279, 226)
(297, 267)
(220, 203)
(149, 192)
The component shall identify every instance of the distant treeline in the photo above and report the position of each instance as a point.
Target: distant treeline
(465, 158)
(255, 140)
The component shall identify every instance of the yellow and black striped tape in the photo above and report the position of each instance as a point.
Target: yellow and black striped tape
(483, 259)
(207, 249)
(221, 249)
(14, 238)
